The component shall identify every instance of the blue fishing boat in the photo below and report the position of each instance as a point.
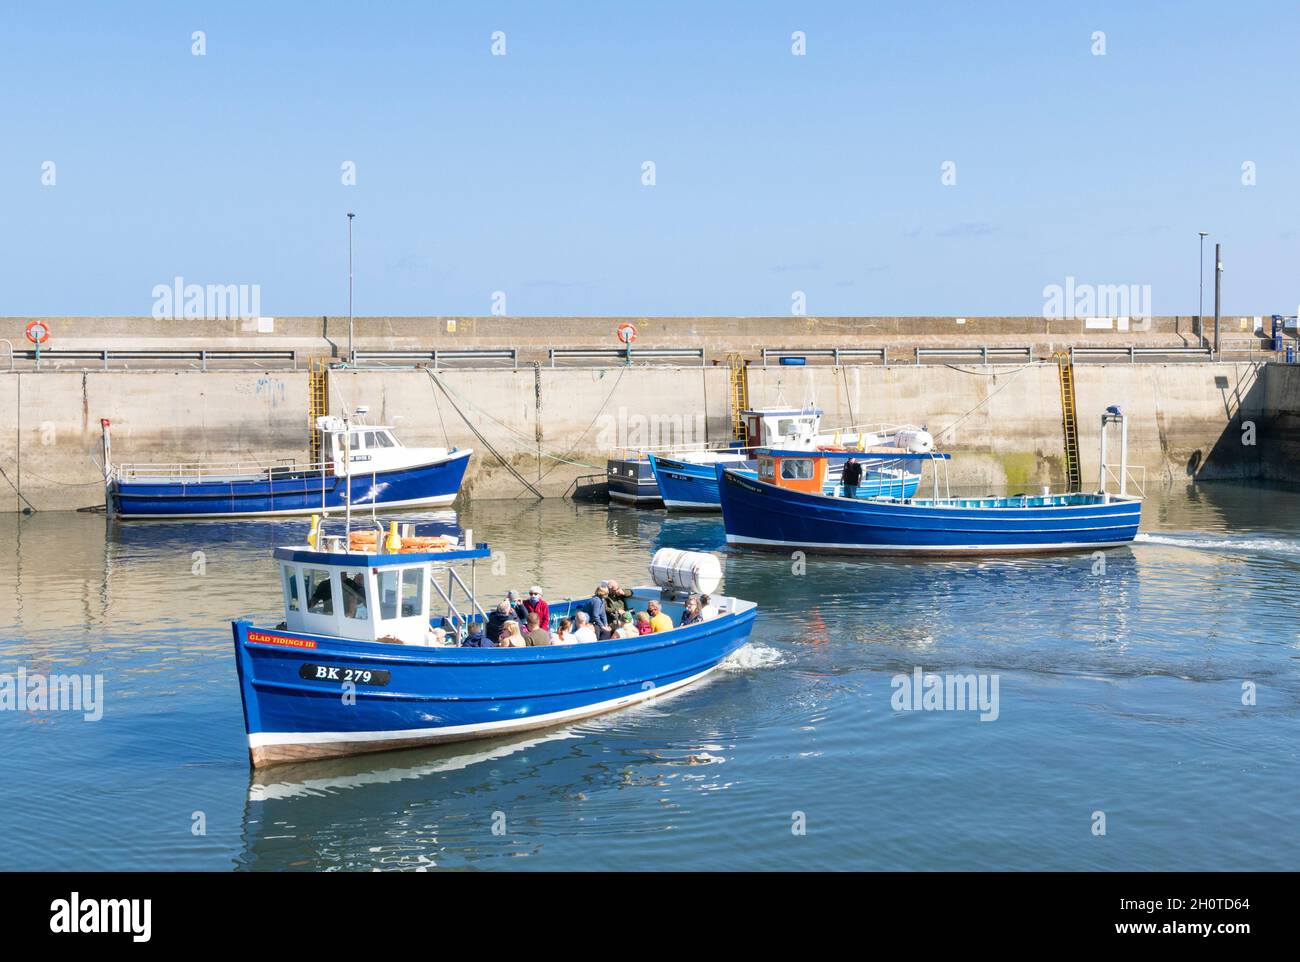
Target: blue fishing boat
(368, 655)
(785, 508)
(362, 464)
(692, 485)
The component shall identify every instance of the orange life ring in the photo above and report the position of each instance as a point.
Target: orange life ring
(362, 539)
(831, 447)
(38, 332)
(627, 332)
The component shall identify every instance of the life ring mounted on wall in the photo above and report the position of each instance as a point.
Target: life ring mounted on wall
(38, 332)
(626, 332)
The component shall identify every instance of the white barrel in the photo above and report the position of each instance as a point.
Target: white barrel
(914, 441)
(695, 571)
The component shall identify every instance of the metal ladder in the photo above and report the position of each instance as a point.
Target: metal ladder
(738, 386)
(317, 401)
(1069, 421)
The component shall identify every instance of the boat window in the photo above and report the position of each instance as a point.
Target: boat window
(785, 426)
(796, 469)
(371, 442)
(388, 587)
(385, 439)
(412, 592)
(766, 469)
(352, 586)
(320, 596)
(290, 588)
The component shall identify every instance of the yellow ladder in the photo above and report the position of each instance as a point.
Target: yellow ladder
(317, 401)
(738, 385)
(1069, 421)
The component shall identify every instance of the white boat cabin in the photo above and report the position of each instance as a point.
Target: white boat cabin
(369, 596)
(783, 427)
(368, 448)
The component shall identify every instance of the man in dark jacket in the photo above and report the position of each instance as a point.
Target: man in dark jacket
(615, 603)
(476, 638)
(851, 478)
(497, 619)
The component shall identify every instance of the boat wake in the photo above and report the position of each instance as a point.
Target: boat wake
(1280, 546)
(751, 656)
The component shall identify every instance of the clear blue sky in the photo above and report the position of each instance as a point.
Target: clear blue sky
(522, 173)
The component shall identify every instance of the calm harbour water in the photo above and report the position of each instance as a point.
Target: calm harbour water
(1119, 692)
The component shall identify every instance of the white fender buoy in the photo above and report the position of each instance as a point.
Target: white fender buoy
(694, 571)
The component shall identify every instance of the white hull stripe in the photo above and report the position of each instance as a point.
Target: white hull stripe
(262, 739)
(932, 548)
(332, 509)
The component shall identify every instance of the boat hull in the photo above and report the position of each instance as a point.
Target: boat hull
(767, 517)
(434, 695)
(685, 486)
(427, 485)
(631, 481)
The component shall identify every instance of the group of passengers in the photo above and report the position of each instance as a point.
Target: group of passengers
(527, 623)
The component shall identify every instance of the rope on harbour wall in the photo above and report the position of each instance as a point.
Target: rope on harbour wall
(479, 434)
(599, 411)
(986, 400)
(521, 438)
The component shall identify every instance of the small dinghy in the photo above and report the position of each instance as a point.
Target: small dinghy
(786, 507)
(368, 657)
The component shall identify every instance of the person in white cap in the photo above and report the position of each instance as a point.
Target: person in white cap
(535, 604)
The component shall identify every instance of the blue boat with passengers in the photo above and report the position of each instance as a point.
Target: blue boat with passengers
(369, 658)
(786, 508)
(364, 465)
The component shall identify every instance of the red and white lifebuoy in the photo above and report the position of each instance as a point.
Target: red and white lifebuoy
(38, 332)
(627, 332)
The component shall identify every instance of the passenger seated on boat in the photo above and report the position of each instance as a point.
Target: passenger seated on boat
(536, 636)
(496, 620)
(616, 599)
(475, 637)
(516, 606)
(691, 614)
(511, 637)
(564, 633)
(583, 633)
(658, 620)
(706, 608)
(535, 602)
(599, 620)
(625, 629)
(643, 626)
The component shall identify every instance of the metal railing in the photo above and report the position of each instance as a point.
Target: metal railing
(108, 354)
(834, 353)
(1257, 348)
(438, 357)
(985, 354)
(199, 470)
(1133, 353)
(636, 354)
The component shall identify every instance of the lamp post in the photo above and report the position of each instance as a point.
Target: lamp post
(1200, 301)
(350, 216)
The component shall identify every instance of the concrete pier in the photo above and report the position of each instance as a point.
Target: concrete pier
(1002, 422)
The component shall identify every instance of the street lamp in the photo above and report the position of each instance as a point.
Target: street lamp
(350, 354)
(1200, 302)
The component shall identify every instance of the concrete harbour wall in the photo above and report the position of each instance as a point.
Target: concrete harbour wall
(1002, 423)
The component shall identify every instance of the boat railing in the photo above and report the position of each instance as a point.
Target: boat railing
(1136, 477)
(198, 470)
